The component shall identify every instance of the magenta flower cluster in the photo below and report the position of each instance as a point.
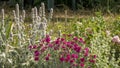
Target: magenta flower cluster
(69, 49)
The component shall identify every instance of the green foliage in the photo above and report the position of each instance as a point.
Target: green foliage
(115, 26)
(92, 29)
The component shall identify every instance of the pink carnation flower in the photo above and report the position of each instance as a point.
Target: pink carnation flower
(47, 39)
(36, 58)
(82, 59)
(74, 56)
(82, 65)
(62, 59)
(36, 53)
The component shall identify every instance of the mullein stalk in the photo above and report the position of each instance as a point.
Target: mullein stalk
(3, 34)
(18, 23)
(3, 21)
(51, 14)
(43, 29)
(23, 15)
(17, 12)
(40, 11)
(3, 16)
(36, 15)
(39, 20)
(43, 9)
(4, 41)
(33, 15)
(19, 27)
(21, 18)
(15, 17)
(36, 25)
(31, 40)
(35, 22)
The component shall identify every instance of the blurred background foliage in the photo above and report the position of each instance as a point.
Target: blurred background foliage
(95, 5)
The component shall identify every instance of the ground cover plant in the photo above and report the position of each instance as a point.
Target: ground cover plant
(89, 42)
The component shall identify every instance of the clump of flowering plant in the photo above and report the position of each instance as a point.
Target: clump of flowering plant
(66, 49)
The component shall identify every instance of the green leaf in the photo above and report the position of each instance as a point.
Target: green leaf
(8, 29)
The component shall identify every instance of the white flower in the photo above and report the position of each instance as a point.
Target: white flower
(108, 32)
